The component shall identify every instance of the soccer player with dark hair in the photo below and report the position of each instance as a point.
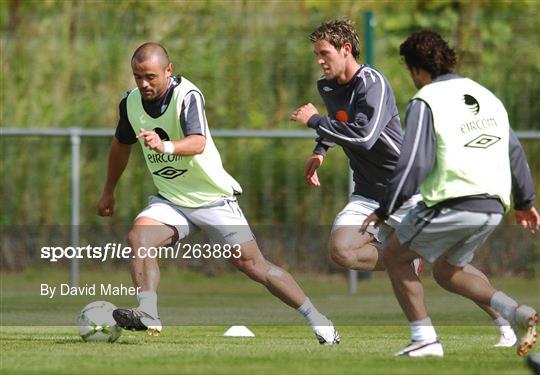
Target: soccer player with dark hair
(460, 151)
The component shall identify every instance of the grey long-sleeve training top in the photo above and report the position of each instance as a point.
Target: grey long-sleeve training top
(363, 119)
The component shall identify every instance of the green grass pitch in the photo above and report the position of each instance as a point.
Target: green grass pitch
(201, 308)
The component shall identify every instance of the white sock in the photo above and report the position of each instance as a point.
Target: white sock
(505, 305)
(148, 302)
(422, 330)
(312, 315)
(503, 325)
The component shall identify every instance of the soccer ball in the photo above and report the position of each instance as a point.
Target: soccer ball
(96, 322)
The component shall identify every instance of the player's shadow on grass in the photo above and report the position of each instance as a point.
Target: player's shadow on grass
(119, 342)
(71, 341)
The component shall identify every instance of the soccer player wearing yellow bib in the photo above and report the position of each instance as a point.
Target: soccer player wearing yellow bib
(165, 114)
(461, 152)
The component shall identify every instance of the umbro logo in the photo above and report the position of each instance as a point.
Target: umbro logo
(471, 103)
(327, 89)
(169, 172)
(483, 141)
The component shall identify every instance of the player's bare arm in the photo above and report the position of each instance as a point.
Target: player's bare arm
(304, 113)
(191, 145)
(118, 159)
(310, 170)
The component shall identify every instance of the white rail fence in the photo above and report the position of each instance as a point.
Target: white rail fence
(75, 134)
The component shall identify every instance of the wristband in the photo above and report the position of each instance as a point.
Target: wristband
(168, 147)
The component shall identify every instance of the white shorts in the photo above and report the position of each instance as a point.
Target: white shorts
(223, 220)
(437, 231)
(360, 207)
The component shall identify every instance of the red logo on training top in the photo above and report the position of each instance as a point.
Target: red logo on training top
(341, 115)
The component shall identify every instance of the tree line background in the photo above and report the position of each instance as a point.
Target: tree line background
(66, 64)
